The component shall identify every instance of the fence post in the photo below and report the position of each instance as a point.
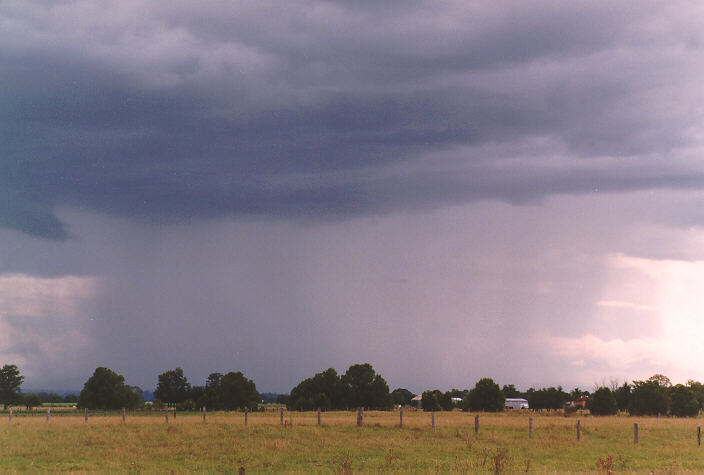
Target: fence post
(48, 415)
(174, 412)
(476, 424)
(579, 430)
(203, 414)
(699, 435)
(360, 416)
(10, 415)
(123, 414)
(281, 415)
(319, 416)
(530, 428)
(166, 415)
(85, 415)
(400, 418)
(635, 432)
(432, 419)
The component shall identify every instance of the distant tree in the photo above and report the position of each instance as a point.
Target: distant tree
(70, 398)
(172, 387)
(237, 392)
(603, 402)
(429, 401)
(283, 399)
(698, 391)
(31, 400)
(661, 380)
(10, 382)
(485, 396)
(50, 397)
(106, 389)
(648, 398)
(623, 396)
(510, 391)
(324, 391)
(547, 398)
(365, 388)
(684, 402)
(401, 397)
(577, 394)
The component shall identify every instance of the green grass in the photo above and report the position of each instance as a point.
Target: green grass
(224, 443)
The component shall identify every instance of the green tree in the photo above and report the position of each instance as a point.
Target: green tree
(31, 400)
(106, 389)
(365, 388)
(172, 387)
(238, 392)
(623, 396)
(401, 396)
(510, 391)
(603, 402)
(429, 401)
(684, 402)
(324, 391)
(10, 382)
(485, 396)
(648, 398)
(698, 391)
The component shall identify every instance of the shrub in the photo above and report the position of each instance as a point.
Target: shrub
(603, 402)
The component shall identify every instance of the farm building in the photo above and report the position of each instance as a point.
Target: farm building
(516, 403)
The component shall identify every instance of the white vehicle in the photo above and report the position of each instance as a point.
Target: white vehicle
(516, 403)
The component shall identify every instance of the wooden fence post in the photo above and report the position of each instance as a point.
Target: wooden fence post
(319, 416)
(476, 424)
(166, 415)
(432, 419)
(85, 415)
(246, 416)
(635, 432)
(360, 416)
(174, 412)
(48, 415)
(699, 435)
(123, 414)
(203, 414)
(400, 418)
(281, 415)
(530, 428)
(10, 415)
(579, 430)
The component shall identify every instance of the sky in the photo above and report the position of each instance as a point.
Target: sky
(448, 190)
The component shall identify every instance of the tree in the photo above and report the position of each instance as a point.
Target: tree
(401, 396)
(698, 391)
(10, 382)
(323, 391)
(485, 396)
(603, 402)
(31, 400)
(510, 391)
(365, 388)
(623, 396)
(172, 387)
(238, 392)
(648, 398)
(429, 401)
(106, 390)
(684, 402)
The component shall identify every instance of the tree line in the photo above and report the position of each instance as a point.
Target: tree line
(359, 386)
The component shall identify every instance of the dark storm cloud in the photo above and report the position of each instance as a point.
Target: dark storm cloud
(316, 109)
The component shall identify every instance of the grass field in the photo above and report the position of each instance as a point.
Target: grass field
(224, 443)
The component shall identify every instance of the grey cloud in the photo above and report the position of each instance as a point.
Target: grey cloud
(190, 112)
